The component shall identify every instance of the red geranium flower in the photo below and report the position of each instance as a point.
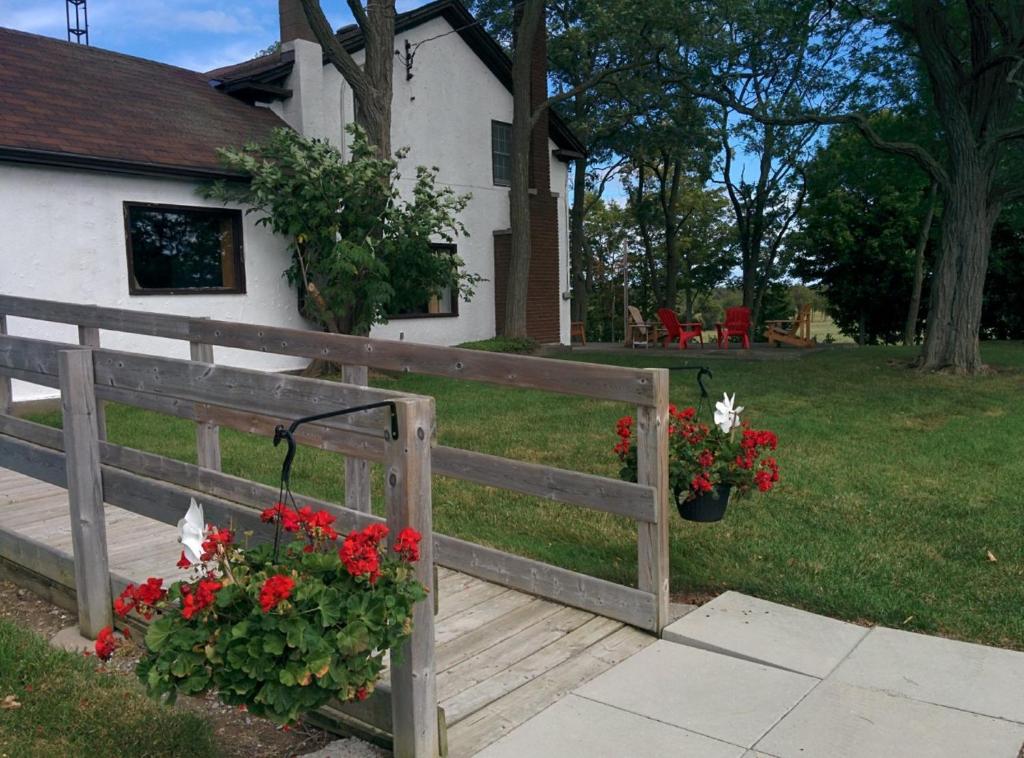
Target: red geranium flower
(274, 590)
(106, 643)
(408, 545)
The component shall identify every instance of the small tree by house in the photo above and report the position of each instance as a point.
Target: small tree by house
(360, 251)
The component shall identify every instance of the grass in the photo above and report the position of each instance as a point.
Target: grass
(68, 708)
(896, 485)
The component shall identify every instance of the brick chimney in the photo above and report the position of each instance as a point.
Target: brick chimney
(293, 22)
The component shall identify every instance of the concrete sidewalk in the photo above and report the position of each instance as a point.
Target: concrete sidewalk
(741, 677)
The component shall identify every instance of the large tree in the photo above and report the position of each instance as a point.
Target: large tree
(972, 56)
(371, 82)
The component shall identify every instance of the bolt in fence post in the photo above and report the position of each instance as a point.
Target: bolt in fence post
(85, 491)
(407, 485)
(6, 395)
(357, 470)
(652, 470)
(89, 336)
(207, 433)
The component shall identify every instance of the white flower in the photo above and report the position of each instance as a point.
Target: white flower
(727, 416)
(191, 530)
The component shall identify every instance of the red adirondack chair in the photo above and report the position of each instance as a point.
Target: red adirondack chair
(682, 332)
(737, 324)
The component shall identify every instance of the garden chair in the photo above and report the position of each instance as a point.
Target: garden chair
(737, 324)
(798, 331)
(691, 330)
(639, 330)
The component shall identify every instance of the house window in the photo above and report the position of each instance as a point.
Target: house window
(182, 250)
(501, 153)
(446, 303)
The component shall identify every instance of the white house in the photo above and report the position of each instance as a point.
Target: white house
(101, 155)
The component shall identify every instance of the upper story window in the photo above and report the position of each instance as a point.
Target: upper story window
(183, 250)
(501, 153)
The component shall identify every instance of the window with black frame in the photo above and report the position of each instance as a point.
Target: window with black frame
(501, 153)
(445, 303)
(183, 250)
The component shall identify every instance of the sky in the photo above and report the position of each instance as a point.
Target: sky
(195, 34)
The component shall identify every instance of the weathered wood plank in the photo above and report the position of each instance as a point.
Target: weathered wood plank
(6, 396)
(407, 490)
(468, 700)
(462, 623)
(597, 492)
(632, 606)
(473, 595)
(567, 377)
(466, 646)
(652, 470)
(357, 470)
(114, 319)
(89, 336)
(497, 719)
(510, 651)
(85, 491)
(207, 433)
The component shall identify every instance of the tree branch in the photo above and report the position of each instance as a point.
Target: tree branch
(911, 150)
(339, 57)
(582, 87)
(358, 13)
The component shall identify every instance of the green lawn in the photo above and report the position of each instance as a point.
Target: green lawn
(67, 708)
(895, 485)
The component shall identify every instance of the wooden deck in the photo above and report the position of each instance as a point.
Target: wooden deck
(502, 656)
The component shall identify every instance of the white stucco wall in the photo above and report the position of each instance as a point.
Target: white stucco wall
(62, 237)
(443, 115)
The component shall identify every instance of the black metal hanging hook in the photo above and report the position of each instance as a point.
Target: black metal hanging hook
(702, 371)
(280, 433)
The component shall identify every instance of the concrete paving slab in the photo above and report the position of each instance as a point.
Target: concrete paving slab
(577, 726)
(975, 678)
(842, 721)
(756, 630)
(721, 697)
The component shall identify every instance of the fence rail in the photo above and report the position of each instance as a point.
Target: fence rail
(183, 388)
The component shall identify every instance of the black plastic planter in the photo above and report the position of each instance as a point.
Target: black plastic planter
(707, 507)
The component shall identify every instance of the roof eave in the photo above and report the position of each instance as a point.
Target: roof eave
(112, 165)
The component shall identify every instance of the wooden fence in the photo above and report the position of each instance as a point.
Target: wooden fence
(645, 606)
(95, 471)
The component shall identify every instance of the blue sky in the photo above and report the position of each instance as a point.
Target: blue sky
(195, 34)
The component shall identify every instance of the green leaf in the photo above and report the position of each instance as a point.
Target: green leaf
(158, 633)
(273, 644)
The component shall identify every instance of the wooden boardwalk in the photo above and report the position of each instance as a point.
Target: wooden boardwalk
(502, 656)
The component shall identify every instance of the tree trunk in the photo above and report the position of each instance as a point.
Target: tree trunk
(958, 284)
(910, 330)
(578, 242)
(530, 16)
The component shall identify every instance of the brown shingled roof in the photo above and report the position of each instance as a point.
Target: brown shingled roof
(63, 102)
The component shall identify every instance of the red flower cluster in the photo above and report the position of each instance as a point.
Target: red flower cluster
(216, 542)
(408, 545)
(315, 524)
(623, 428)
(183, 562)
(360, 552)
(767, 475)
(195, 598)
(106, 643)
(140, 599)
(274, 590)
(701, 483)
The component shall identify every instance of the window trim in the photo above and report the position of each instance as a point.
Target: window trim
(452, 249)
(239, 251)
(500, 182)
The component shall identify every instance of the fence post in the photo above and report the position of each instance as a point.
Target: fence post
(407, 496)
(207, 433)
(357, 470)
(85, 491)
(89, 336)
(652, 469)
(6, 395)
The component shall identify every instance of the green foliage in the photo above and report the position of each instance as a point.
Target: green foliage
(360, 251)
(68, 708)
(325, 639)
(859, 228)
(518, 345)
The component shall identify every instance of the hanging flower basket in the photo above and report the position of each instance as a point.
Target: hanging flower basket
(705, 507)
(708, 463)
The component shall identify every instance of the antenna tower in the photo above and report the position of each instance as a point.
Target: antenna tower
(78, 21)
